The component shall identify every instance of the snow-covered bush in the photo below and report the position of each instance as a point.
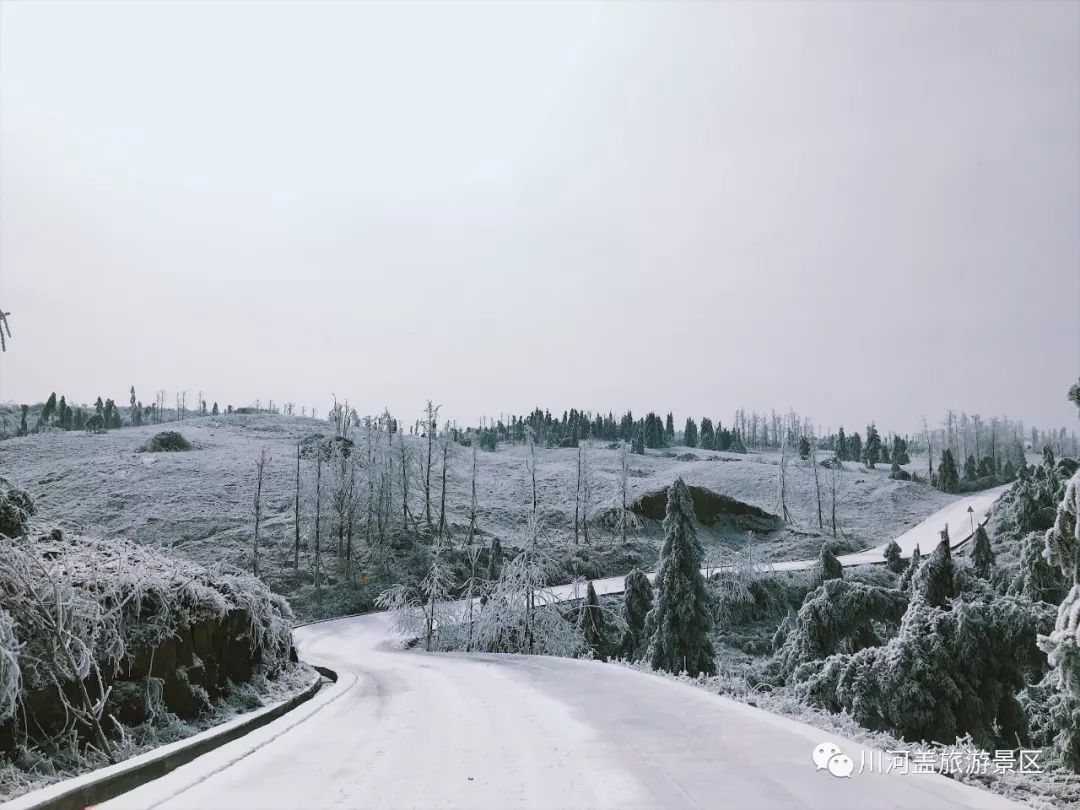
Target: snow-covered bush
(947, 672)
(840, 616)
(16, 508)
(79, 616)
(168, 441)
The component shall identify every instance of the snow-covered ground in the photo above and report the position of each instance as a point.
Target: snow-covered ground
(409, 729)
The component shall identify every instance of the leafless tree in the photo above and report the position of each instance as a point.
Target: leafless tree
(318, 525)
(929, 448)
(626, 519)
(817, 480)
(472, 498)
(260, 469)
(445, 442)
(783, 481)
(5, 327)
(530, 466)
(836, 471)
(431, 415)
(296, 514)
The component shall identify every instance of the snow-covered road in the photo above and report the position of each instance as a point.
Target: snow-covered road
(405, 729)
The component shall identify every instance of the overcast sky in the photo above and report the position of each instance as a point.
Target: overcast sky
(861, 211)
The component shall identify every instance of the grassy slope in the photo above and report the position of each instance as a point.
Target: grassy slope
(200, 501)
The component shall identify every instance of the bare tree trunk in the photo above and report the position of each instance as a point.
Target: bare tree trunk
(442, 489)
(431, 414)
(532, 469)
(817, 481)
(318, 525)
(783, 481)
(586, 494)
(472, 502)
(260, 468)
(624, 486)
(577, 498)
(929, 449)
(296, 515)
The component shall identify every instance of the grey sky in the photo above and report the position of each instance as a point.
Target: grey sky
(862, 211)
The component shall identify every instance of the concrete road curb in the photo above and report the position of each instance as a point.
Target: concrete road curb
(88, 790)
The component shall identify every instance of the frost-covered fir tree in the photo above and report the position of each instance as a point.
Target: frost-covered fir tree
(912, 569)
(678, 625)
(948, 477)
(971, 469)
(840, 447)
(593, 626)
(982, 556)
(637, 602)
(871, 453)
(894, 560)
(690, 437)
(804, 448)
(828, 566)
(936, 578)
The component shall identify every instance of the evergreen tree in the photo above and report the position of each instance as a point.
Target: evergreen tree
(982, 556)
(871, 453)
(912, 569)
(894, 560)
(593, 626)
(669, 428)
(690, 433)
(214, 412)
(804, 448)
(736, 445)
(840, 447)
(937, 579)
(49, 409)
(948, 477)
(900, 453)
(638, 444)
(22, 422)
(971, 470)
(637, 602)
(99, 408)
(828, 566)
(854, 447)
(678, 625)
(707, 437)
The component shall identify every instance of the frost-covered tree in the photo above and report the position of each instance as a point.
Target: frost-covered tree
(669, 428)
(707, 437)
(593, 627)
(690, 437)
(804, 448)
(948, 477)
(828, 567)
(982, 556)
(945, 674)
(912, 569)
(871, 453)
(678, 625)
(22, 421)
(839, 616)
(637, 602)
(894, 560)
(936, 579)
(971, 469)
(840, 445)
(1035, 578)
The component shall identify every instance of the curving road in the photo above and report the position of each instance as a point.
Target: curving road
(405, 729)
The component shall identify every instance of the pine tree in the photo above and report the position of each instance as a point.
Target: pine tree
(707, 436)
(678, 625)
(840, 446)
(22, 422)
(669, 428)
(593, 626)
(971, 469)
(804, 448)
(637, 602)
(690, 433)
(214, 412)
(638, 445)
(871, 453)
(948, 477)
(828, 566)
(912, 569)
(894, 559)
(47, 411)
(937, 579)
(982, 556)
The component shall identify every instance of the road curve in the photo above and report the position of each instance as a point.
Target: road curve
(406, 729)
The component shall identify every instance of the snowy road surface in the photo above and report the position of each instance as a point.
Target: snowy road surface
(405, 729)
